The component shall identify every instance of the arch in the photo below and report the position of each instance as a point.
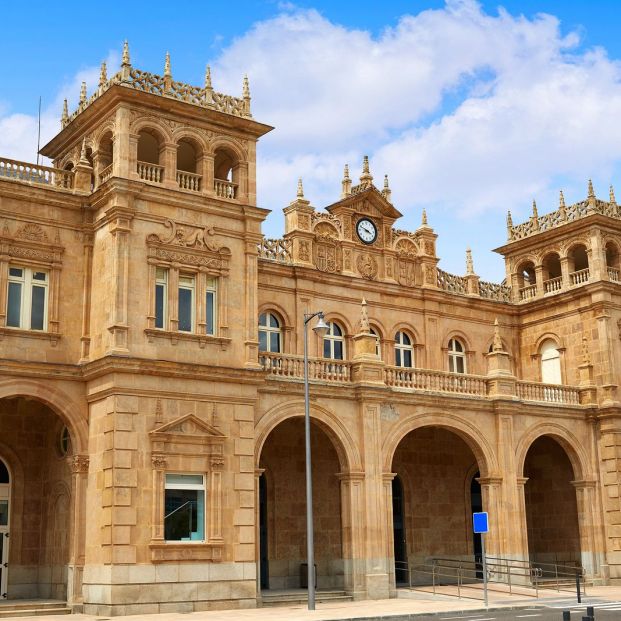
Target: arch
(468, 432)
(277, 309)
(578, 255)
(225, 143)
(17, 482)
(551, 265)
(568, 441)
(549, 336)
(341, 320)
(149, 145)
(57, 400)
(330, 424)
(611, 252)
(191, 135)
(410, 330)
(153, 126)
(460, 336)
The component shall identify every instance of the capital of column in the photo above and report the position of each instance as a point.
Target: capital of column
(350, 477)
(521, 481)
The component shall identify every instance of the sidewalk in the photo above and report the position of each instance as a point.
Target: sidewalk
(400, 609)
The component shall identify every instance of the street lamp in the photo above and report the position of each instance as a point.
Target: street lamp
(321, 329)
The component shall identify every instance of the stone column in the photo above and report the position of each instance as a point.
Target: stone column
(491, 491)
(353, 532)
(565, 272)
(79, 481)
(168, 159)
(539, 280)
(124, 151)
(585, 501)
(250, 287)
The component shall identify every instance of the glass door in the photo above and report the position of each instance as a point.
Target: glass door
(4, 528)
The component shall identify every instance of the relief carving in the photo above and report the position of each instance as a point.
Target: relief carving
(429, 248)
(304, 221)
(367, 266)
(327, 255)
(158, 462)
(304, 251)
(79, 463)
(326, 229)
(347, 259)
(187, 237)
(406, 275)
(32, 232)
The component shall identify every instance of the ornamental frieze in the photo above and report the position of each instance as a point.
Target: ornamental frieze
(190, 259)
(189, 237)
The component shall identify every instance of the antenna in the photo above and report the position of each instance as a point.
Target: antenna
(39, 131)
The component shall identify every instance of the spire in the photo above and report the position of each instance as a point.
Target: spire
(103, 74)
(424, 218)
(535, 213)
(65, 116)
(366, 178)
(561, 206)
(246, 95)
(208, 78)
(364, 317)
(386, 192)
(613, 200)
(83, 158)
(300, 193)
(497, 343)
(125, 60)
(346, 183)
(83, 93)
(590, 190)
(509, 226)
(469, 262)
(167, 72)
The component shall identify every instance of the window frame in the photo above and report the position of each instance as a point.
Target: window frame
(270, 332)
(27, 284)
(188, 487)
(455, 355)
(401, 349)
(331, 338)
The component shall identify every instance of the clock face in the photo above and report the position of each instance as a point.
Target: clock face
(367, 231)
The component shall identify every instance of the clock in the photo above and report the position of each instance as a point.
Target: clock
(367, 231)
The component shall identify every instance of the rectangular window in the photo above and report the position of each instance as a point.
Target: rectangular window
(161, 297)
(186, 303)
(210, 306)
(184, 507)
(27, 299)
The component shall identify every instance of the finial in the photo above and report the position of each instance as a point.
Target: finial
(364, 317)
(424, 219)
(535, 213)
(83, 158)
(497, 344)
(346, 183)
(103, 74)
(208, 78)
(125, 59)
(561, 206)
(300, 193)
(365, 164)
(167, 72)
(346, 172)
(65, 116)
(386, 182)
(366, 177)
(83, 93)
(613, 200)
(591, 192)
(246, 88)
(469, 262)
(509, 225)
(386, 191)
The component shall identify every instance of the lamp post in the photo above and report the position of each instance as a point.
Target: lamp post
(321, 329)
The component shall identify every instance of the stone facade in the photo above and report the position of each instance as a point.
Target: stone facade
(151, 337)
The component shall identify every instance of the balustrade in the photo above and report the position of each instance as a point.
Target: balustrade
(282, 365)
(150, 172)
(39, 175)
(435, 381)
(553, 285)
(105, 174)
(548, 393)
(529, 292)
(225, 189)
(189, 181)
(613, 274)
(579, 277)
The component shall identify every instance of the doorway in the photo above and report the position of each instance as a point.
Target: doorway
(5, 497)
(476, 502)
(263, 555)
(401, 555)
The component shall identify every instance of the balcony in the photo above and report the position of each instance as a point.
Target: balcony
(36, 175)
(553, 285)
(150, 172)
(288, 367)
(225, 189)
(189, 181)
(579, 277)
(613, 274)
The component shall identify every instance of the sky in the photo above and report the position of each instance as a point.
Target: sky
(471, 108)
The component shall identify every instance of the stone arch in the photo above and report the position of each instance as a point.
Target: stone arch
(460, 336)
(72, 414)
(100, 133)
(406, 245)
(191, 135)
(226, 143)
(278, 310)
(568, 441)
(468, 432)
(342, 320)
(330, 424)
(152, 125)
(408, 328)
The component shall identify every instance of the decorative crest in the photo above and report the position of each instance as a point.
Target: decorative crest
(167, 72)
(125, 60)
(469, 262)
(300, 193)
(103, 74)
(83, 93)
(497, 344)
(364, 317)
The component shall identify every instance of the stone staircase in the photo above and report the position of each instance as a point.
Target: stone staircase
(32, 607)
(293, 597)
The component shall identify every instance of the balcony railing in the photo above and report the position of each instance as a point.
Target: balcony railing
(435, 381)
(553, 285)
(613, 274)
(225, 189)
(105, 174)
(150, 172)
(286, 366)
(548, 393)
(283, 365)
(577, 278)
(529, 292)
(37, 175)
(189, 181)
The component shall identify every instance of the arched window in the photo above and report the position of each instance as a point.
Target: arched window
(270, 333)
(378, 352)
(404, 352)
(226, 174)
(578, 264)
(456, 356)
(333, 343)
(612, 261)
(550, 363)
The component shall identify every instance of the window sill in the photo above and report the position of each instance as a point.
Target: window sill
(169, 551)
(175, 337)
(53, 337)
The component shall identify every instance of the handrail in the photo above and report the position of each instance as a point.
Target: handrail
(32, 173)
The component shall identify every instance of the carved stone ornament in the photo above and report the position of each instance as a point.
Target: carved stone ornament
(326, 229)
(188, 237)
(158, 462)
(430, 275)
(304, 251)
(347, 259)
(367, 266)
(217, 462)
(190, 259)
(80, 463)
(327, 256)
(32, 232)
(304, 222)
(429, 248)
(406, 274)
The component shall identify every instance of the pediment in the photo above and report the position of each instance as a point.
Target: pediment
(188, 425)
(369, 201)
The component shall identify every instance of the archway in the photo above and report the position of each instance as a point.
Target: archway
(35, 444)
(436, 467)
(551, 507)
(282, 508)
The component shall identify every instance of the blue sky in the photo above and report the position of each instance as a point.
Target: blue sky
(470, 111)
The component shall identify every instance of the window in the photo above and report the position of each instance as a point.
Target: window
(187, 284)
(377, 342)
(333, 346)
(184, 507)
(161, 297)
(27, 299)
(64, 441)
(550, 363)
(404, 352)
(456, 357)
(269, 333)
(210, 306)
